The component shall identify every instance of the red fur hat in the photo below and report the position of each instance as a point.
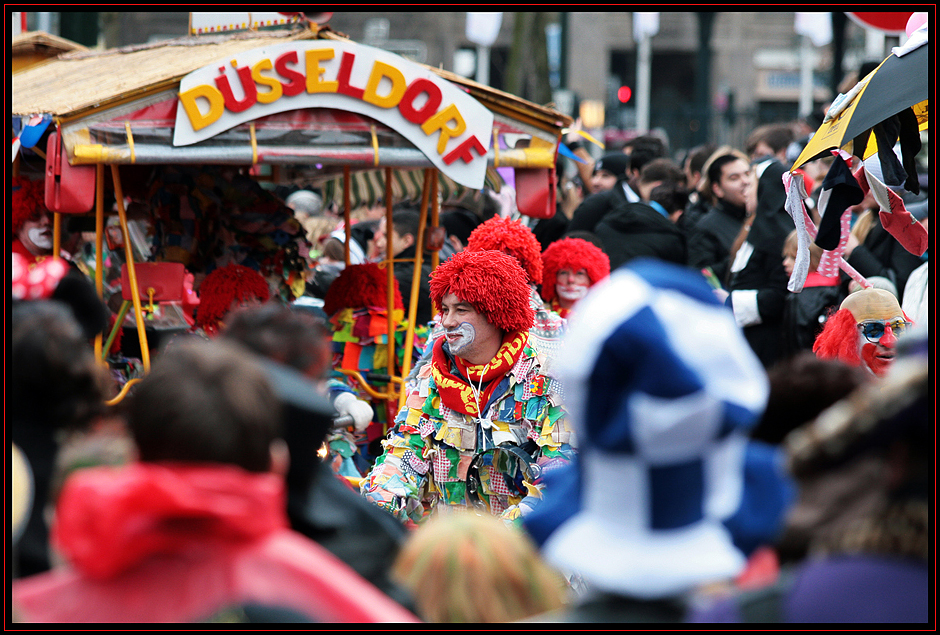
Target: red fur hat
(493, 282)
(28, 196)
(513, 238)
(224, 286)
(574, 254)
(360, 286)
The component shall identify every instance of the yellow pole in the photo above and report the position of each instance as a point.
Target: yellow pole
(416, 280)
(435, 212)
(131, 273)
(99, 259)
(56, 235)
(390, 279)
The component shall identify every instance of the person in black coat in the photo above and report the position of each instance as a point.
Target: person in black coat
(638, 152)
(728, 183)
(636, 229)
(758, 280)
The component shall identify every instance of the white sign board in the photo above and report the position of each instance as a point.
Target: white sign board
(448, 125)
(202, 22)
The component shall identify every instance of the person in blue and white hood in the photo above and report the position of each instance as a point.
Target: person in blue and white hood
(661, 388)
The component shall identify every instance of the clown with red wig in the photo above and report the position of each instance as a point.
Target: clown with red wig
(356, 304)
(482, 421)
(864, 331)
(515, 239)
(571, 267)
(31, 221)
(226, 289)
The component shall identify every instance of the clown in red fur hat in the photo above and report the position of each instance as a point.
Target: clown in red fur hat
(864, 331)
(482, 420)
(225, 289)
(570, 267)
(515, 239)
(31, 221)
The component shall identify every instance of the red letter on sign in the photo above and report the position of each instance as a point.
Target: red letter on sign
(406, 105)
(297, 81)
(248, 85)
(463, 151)
(345, 70)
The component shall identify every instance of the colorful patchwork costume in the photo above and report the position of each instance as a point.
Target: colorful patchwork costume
(440, 450)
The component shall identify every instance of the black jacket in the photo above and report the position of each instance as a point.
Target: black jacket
(804, 315)
(636, 229)
(764, 274)
(592, 209)
(711, 239)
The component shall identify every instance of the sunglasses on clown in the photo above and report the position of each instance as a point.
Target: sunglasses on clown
(874, 330)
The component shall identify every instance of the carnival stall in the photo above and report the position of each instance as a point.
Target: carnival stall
(197, 123)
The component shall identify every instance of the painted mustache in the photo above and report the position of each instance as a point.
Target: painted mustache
(460, 337)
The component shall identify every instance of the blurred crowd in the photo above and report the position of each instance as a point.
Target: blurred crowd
(698, 392)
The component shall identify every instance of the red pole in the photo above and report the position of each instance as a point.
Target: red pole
(23, 21)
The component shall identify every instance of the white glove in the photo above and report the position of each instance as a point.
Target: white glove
(346, 403)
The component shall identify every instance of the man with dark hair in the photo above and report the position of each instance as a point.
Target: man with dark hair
(482, 421)
(769, 140)
(401, 244)
(320, 504)
(640, 151)
(697, 206)
(728, 186)
(459, 224)
(644, 228)
(198, 524)
(56, 386)
(758, 280)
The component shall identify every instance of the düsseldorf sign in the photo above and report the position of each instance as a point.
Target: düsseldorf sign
(448, 125)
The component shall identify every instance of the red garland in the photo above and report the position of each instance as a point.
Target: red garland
(28, 196)
(360, 286)
(574, 254)
(839, 338)
(224, 286)
(492, 282)
(513, 238)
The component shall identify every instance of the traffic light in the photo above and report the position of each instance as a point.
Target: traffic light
(624, 93)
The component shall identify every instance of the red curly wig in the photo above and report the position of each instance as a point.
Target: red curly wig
(574, 254)
(493, 282)
(360, 286)
(513, 238)
(839, 338)
(28, 196)
(224, 286)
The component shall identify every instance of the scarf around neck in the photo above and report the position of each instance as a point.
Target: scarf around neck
(557, 308)
(455, 392)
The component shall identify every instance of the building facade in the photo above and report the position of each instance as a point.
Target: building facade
(714, 76)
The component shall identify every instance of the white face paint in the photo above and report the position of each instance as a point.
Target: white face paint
(571, 292)
(40, 236)
(459, 338)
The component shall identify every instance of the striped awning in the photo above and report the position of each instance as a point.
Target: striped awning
(367, 188)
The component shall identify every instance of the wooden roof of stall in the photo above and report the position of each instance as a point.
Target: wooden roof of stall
(80, 82)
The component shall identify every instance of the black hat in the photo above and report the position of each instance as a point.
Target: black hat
(615, 163)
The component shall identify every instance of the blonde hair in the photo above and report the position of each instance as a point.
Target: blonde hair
(791, 244)
(863, 225)
(463, 568)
